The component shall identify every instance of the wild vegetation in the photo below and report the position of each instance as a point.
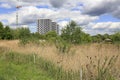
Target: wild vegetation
(72, 33)
(73, 55)
(15, 65)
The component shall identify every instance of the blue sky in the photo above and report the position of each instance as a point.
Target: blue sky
(107, 18)
(6, 11)
(92, 16)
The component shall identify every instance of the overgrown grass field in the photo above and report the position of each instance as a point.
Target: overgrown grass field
(44, 62)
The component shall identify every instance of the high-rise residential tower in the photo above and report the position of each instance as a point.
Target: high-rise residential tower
(46, 25)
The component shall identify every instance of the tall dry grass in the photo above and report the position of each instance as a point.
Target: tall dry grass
(80, 57)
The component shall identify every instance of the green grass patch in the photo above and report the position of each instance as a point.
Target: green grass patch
(9, 70)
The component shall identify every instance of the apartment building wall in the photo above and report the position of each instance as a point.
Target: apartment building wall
(46, 25)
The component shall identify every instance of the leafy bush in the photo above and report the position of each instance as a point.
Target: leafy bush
(116, 37)
(62, 46)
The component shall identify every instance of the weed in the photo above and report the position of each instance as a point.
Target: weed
(99, 69)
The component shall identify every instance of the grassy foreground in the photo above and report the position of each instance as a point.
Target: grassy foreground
(15, 66)
(37, 62)
(14, 70)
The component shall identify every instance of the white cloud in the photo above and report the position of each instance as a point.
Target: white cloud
(61, 11)
(102, 27)
(100, 7)
(4, 5)
(62, 24)
(30, 14)
(14, 3)
(107, 25)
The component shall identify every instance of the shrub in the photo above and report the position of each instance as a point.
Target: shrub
(62, 46)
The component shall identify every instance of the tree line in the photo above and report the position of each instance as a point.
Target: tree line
(71, 33)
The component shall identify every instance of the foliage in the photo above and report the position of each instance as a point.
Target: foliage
(51, 36)
(116, 37)
(73, 33)
(62, 46)
(16, 33)
(38, 36)
(1, 30)
(97, 38)
(7, 33)
(24, 35)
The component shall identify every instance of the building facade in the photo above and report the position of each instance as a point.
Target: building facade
(55, 27)
(46, 25)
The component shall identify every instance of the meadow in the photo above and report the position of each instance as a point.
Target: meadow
(95, 61)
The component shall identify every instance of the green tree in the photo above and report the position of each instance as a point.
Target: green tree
(24, 35)
(1, 30)
(73, 33)
(7, 33)
(16, 33)
(116, 37)
(98, 38)
(106, 36)
(68, 31)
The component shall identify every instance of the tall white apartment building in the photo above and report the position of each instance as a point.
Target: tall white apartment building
(46, 25)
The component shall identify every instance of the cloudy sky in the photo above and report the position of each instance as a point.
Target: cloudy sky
(94, 16)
